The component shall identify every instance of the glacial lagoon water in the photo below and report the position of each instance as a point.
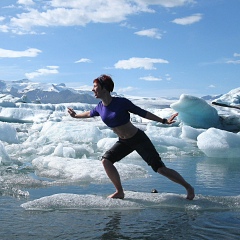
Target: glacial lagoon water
(82, 211)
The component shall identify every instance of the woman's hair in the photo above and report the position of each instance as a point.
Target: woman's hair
(105, 81)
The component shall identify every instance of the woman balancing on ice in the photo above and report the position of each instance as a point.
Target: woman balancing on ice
(115, 113)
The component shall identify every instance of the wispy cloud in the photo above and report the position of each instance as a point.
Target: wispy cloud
(26, 2)
(151, 78)
(127, 89)
(83, 60)
(4, 28)
(31, 52)
(166, 77)
(127, 25)
(236, 54)
(188, 20)
(234, 61)
(43, 72)
(152, 33)
(145, 63)
(169, 3)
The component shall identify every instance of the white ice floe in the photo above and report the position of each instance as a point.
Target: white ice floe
(82, 170)
(219, 143)
(8, 133)
(132, 200)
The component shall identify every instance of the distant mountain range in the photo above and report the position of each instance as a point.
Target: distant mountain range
(210, 98)
(28, 91)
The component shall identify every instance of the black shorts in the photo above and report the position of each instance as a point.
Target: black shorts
(140, 143)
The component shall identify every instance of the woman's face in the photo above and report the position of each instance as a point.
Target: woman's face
(98, 90)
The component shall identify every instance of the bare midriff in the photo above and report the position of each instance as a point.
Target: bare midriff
(125, 131)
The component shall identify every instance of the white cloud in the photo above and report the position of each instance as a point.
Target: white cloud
(42, 72)
(211, 86)
(9, 6)
(145, 63)
(151, 78)
(80, 13)
(31, 52)
(236, 54)
(127, 89)
(4, 28)
(152, 33)
(233, 62)
(165, 3)
(127, 25)
(168, 77)
(74, 13)
(83, 60)
(188, 20)
(26, 2)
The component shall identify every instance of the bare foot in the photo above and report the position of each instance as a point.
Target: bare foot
(190, 193)
(119, 195)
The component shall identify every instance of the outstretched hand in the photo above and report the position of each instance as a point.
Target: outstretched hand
(171, 119)
(71, 112)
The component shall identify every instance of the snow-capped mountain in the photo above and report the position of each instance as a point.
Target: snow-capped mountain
(27, 91)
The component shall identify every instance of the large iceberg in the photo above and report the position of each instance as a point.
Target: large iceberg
(196, 112)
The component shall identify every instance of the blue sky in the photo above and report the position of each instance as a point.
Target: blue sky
(151, 48)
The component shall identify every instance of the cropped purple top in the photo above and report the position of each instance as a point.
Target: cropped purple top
(117, 113)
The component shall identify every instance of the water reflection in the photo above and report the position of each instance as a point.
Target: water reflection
(112, 230)
(217, 172)
(148, 224)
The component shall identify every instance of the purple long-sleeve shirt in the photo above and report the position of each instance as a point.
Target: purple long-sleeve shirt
(117, 113)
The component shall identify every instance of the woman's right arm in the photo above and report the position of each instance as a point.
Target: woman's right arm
(73, 114)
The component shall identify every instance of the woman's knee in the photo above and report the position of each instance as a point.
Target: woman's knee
(162, 170)
(106, 162)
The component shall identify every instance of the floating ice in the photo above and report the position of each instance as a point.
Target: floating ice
(196, 112)
(77, 132)
(62, 151)
(8, 133)
(219, 143)
(16, 115)
(191, 133)
(4, 157)
(132, 200)
(81, 202)
(106, 143)
(82, 170)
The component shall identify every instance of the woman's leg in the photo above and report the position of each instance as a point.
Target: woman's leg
(176, 177)
(115, 154)
(114, 177)
(148, 152)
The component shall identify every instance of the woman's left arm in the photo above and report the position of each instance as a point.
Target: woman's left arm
(153, 117)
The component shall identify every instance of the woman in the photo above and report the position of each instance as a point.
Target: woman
(114, 112)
